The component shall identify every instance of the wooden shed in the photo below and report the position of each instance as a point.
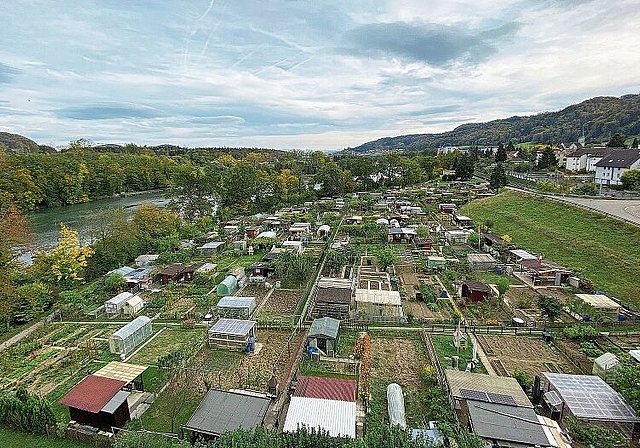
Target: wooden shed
(323, 335)
(475, 291)
(333, 298)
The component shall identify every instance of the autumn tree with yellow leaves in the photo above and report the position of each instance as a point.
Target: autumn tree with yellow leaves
(65, 263)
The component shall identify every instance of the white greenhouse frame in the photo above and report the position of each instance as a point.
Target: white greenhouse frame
(130, 336)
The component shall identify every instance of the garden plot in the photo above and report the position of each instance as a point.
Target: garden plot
(521, 297)
(403, 361)
(527, 354)
(421, 310)
(170, 340)
(283, 302)
(626, 343)
(256, 290)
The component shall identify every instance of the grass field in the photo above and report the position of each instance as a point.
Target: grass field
(595, 247)
(11, 439)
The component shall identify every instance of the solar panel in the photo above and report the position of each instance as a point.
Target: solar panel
(502, 399)
(469, 394)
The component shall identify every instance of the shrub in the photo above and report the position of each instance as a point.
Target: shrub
(22, 411)
(580, 332)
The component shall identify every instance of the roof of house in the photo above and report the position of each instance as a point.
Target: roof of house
(172, 270)
(235, 327)
(502, 385)
(590, 397)
(378, 297)
(212, 245)
(334, 294)
(121, 371)
(620, 158)
(599, 301)
(327, 327)
(474, 285)
(92, 393)
(336, 417)
(596, 152)
(326, 388)
(221, 411)
(508, 423)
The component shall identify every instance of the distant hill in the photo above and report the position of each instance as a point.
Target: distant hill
(601, 116)
(17, 144)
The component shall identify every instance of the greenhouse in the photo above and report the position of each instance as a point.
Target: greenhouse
(123, 341)
(227, 286)
(240, 307)
(233, 333)
(113, 306)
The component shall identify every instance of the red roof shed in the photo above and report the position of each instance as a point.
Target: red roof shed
(327, 388)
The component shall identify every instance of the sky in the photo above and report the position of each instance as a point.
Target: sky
(293, 74)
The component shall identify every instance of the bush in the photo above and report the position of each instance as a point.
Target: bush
(523, 379)
(580, 332)
(22, 411)
(594, 435)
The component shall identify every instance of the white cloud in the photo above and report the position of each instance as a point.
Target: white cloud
(285, 74)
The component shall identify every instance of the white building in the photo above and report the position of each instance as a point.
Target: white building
(610, 168)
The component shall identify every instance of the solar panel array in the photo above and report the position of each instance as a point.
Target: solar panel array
(488, 397)
(588, 396)
(235, 327)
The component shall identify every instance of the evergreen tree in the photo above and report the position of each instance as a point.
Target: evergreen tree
(501, 154)
(617, 141)
(498, 178)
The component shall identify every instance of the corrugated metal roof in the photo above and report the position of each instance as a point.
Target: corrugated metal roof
(325, 326)
(338, 418)
(221, 411)
(378, 297)
(326, 388)
(509, 423)
(92, 393)
(486, 383)
(119, 398)
(121, 371)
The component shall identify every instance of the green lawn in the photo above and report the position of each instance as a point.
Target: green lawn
(445, 350)
(11, 439)
(173, 339)
(595, 247)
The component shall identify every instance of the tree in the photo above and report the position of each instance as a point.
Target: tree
(617, 141)
(65, 263)
(463, 166)
(548, 159)
(386, 257)
(498, 178)
(631, 180)
(550, 307)
(626, 380)
(501, 154)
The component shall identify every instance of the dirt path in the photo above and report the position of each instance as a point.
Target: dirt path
(20, 336)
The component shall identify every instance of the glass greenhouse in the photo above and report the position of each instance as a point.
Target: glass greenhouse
(130, 336)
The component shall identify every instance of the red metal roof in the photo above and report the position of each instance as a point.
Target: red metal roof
(327, 388)
(92, 393)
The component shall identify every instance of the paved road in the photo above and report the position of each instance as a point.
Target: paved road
(622, 208)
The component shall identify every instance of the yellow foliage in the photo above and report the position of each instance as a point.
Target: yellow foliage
(506, 238)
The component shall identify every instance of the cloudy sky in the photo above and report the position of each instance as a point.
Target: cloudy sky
(301, 74)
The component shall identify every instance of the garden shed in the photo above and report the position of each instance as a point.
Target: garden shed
(99, 402)
(240, 307)
(227, 286)
(233, 333)
(601, 303)
(436, 262)
(113, 306)
(323, 335)
(332, 298)
(123, 341)
(221, 411)
(211, 248)
(475, 291)
(133, 305)
(604, 364)
(481, 262)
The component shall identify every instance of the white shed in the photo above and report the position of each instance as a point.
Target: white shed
(133, 305)
(113, 306)
(604, 364)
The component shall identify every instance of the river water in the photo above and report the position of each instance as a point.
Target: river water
(45, 224)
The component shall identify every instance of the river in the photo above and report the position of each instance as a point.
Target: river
(45, 224)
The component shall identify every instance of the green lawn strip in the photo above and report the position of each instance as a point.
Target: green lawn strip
(183, 340)
(596, 247)
(443, 343)
(61, 412)
(158, 416)
(12, 439)
(493, 278)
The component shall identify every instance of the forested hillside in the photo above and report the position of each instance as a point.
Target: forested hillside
(601, 117)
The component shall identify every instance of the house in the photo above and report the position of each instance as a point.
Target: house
(171, 273)
(602, 304)
(223, 411)
(401, 234)
(585, 159)
(481, 262)
(145, 260)
(190, 271)
(475, 291)
(323, 336)
(323, 404)
(236, 307)
(236, 334)
(133, 306)
(332, 298)
(113, 306)
(610, 168)
(447, 207)
(211, 248)
(589, 398)
(98, 402)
